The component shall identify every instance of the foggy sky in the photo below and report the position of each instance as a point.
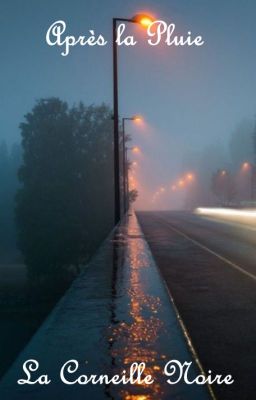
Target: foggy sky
(189, 97)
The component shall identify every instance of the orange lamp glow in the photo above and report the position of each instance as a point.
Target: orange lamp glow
(223, 172)
(137, 118)
(136, 149)
(143, 19)
(246, 165)
(181, 183)
(190, 177)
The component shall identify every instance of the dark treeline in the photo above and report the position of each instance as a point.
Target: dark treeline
(56, 207)
(10, 159)
(64, 206)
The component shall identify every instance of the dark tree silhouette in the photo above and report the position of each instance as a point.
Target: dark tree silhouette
(9, 164)
(64, 204)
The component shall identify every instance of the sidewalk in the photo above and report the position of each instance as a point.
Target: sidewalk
(116, 313)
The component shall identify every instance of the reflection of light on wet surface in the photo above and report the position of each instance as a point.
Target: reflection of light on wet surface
(135, 337)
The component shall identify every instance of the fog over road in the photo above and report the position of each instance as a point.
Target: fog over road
(210, 269)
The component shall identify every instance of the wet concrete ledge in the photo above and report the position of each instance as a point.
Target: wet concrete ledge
(116, 312)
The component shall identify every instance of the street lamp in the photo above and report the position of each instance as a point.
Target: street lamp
(246, 166)
(190, 177)
(135, 118)
(134, 149)
(144, 20)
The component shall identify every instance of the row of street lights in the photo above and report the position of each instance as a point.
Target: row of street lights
(144, 20)
(179, 184)
(223, 176)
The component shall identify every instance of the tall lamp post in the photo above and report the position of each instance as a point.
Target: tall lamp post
(134, 149)
(125, 168)
(145, 21)
(254, 164)
(250, 166)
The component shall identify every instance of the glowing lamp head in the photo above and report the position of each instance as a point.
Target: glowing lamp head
(181, 183)
(137, 118)
(143, 19)
(246, 166)
(190, 177)
(223, 172)
(136, 149)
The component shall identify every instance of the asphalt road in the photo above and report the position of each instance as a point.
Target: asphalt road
(210, 269)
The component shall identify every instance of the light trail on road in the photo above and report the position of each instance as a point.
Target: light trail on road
(241, 216)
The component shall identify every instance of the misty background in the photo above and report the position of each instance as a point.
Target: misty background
(191, 98)
(198, 108)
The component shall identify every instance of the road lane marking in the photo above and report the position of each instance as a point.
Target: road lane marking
(188, 339)
(222, 258)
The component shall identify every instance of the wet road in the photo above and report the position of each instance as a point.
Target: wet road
(210, 269)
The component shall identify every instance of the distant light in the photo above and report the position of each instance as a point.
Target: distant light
(246, 166)
(162, 189)
(223, 172)
(136, 149)
(181, 183)
(190, 177)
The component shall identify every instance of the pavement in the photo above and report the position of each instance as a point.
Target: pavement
(209, 266)
(117, 312)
